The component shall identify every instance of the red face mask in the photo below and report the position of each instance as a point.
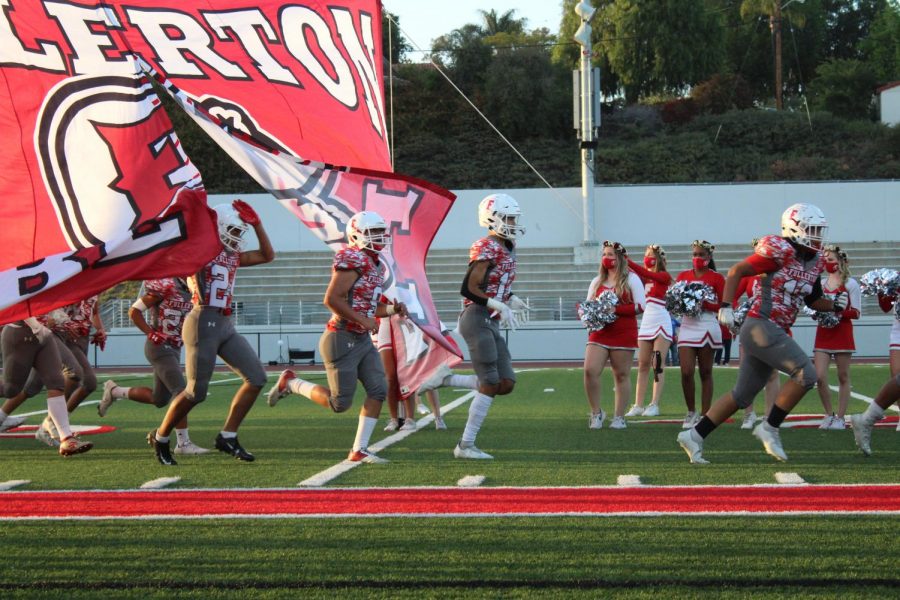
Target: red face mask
(700, 263)
(649, 262)
(608, 263)
(831, 267)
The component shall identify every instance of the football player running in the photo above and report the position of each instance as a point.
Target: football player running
(487, 288)
(208, 331)
(354, 298)
(168, 301)
(789, 266)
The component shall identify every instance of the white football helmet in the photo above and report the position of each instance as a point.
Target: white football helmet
(367, 230)
(231, 227)
(804, 224)
(500, 213)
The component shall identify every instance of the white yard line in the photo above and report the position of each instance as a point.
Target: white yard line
(13, 483)
(320, 479)
(789, 478)
(866, 399)
(44, 411)
(629, 480)
(159, 483)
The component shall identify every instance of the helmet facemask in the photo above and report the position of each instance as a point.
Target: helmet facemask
(231, 227)
(368, 231)
(805, 225)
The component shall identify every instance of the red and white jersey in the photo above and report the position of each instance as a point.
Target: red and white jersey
(501, 271)
(785, 281)
(167, 316)
(73, 320)
(365, 292)
(213, 285)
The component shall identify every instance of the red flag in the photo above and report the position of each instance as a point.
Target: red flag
(418, 356)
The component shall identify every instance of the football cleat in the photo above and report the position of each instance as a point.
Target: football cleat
(190, 448)
(280, 389)
(11, 422)
(364, 456)
(771, 440)
(72, 445)
(233, 447)
(687, 439)
(436, 379)
(652, 411)
(46, 432)
(862, 433)
(161, 449)
(106, 399)
(470, 452)
(749, 420)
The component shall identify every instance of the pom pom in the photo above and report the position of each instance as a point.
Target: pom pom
(740, 313)
(884, 282)
(686, 298)
(826, 319)
(597, 314)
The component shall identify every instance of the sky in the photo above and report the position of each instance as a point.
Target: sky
(425, 20)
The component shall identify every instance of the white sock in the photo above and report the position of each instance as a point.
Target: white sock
(57, 411)
(478, 410)
(364, 432)
(162, 438)
(469, 382)
(182, 436)
(873, 413)
(120, 392)
(228, 435)
(301, 387)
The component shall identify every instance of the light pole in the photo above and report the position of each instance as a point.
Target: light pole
(776, 31)
(583, 36)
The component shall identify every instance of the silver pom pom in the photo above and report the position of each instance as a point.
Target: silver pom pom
(686, 298)
(740, 314)
(597, 314)
(884, 282)
(826, 319)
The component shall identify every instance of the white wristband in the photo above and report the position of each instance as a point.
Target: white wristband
(139, 305)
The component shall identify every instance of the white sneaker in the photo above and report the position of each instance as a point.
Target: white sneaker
(636, 411)
(422, 409)
(190, 448)
(470, 452)
(689, 420)
(826, 422)
(392, 425)
(439, 424)
(408, 425)
(436, 379)
(693, 446)
(749, 420)
(652, 411)
(837, 423)
(45, 433)
(280, 389)
(862, 433)
(771, 440)
(596, 421)
(618, 423)
(106, 399)
(11, 422)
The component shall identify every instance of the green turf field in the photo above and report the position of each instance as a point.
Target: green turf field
(539, 438)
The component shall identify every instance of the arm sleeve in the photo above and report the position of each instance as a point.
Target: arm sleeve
(742, 288)
(592, 289)
(638, 296)
(852, 311)
(763, 264)
(815, 294)
(659, 277)
(467, 293)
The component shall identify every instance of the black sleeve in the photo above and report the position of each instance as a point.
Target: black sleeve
(815, 294)
(464, 290)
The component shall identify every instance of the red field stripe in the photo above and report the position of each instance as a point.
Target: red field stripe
(437, 501)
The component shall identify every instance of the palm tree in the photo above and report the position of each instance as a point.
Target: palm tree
(505, 23)
(773, 10)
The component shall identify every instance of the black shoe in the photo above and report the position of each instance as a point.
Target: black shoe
(233, 447)
(162, 450)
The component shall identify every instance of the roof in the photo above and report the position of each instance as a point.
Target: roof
(887, 86)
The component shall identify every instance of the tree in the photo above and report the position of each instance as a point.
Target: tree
(505, 23)
(881, 47)
(844, 88)
(466, 55)
(848, 23)
(662, 46)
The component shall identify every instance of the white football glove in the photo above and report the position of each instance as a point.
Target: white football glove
(520, 308)
(841, 301)
(507, 316)
(726, 317)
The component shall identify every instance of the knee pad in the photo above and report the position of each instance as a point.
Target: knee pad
(340, 404)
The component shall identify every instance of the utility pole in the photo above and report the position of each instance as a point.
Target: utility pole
(583, 36)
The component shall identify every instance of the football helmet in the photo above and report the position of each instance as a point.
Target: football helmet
(366, 230)
(500, 214)
(231, 227)
(804, 224)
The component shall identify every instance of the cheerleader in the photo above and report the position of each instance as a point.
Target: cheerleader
(655, 334)
(700, 336)
(836, 341)
(617, 341)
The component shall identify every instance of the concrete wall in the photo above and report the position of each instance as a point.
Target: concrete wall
(640, 214)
